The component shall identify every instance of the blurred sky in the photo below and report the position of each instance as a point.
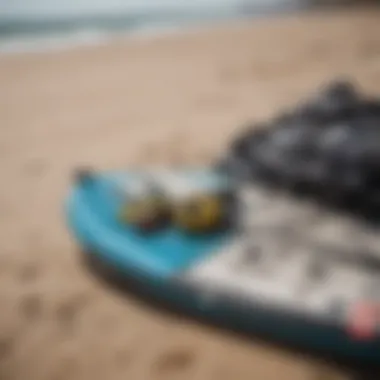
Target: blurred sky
(65, 8)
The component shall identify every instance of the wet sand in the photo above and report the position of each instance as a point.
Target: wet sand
(175, 99)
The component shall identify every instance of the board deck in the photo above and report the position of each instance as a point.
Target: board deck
(286, 254)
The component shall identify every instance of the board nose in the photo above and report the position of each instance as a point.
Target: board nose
(83, 174)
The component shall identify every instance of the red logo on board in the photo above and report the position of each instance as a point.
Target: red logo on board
(363, 321)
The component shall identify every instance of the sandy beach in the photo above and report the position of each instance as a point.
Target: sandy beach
(173, 99)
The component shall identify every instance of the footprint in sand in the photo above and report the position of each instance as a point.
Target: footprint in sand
(6, 347)
(31, 306)
(68, 311)
(174, 362)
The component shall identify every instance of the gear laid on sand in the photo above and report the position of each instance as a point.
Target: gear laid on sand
(328, 147)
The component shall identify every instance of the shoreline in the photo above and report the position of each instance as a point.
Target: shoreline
(60, 40)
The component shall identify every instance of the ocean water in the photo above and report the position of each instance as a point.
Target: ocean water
(55, 24)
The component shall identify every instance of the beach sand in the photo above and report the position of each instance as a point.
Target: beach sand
(175, 99)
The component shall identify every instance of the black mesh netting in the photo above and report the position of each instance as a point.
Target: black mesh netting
(328, 148)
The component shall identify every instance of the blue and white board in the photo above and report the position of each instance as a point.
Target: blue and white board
(291, 272)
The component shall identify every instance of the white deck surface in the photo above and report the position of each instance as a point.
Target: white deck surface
(271, 260)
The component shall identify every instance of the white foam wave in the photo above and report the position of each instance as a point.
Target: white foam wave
(147, 24)
(21, 44)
